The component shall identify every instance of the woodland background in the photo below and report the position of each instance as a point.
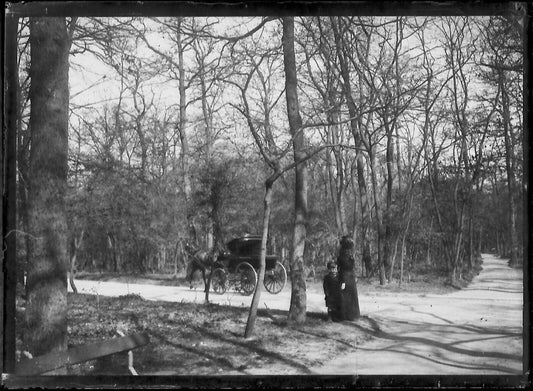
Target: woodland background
(411, 137)
(136, 136)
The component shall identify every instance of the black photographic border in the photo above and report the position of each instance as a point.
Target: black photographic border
(15, 10)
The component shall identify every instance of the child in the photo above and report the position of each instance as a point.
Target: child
(332, 292)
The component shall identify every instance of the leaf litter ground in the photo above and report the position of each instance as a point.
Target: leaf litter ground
(208, 339)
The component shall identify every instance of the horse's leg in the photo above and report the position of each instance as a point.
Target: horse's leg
(188, 273)
(204, 278)
(191, 269)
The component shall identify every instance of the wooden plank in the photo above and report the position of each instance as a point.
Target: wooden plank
(75, 355)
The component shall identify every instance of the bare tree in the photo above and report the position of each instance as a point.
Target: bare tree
(459, 45)
(176, 28)
(297, 309)
(504, 64)
(264, 140)
(322, 70)
(344, 53)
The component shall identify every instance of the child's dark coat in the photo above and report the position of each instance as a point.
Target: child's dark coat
(333, 296)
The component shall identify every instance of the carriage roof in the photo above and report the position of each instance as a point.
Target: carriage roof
(248, 244)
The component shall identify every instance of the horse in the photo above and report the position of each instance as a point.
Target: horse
(199, 260)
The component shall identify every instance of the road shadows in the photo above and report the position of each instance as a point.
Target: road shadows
(408, 340)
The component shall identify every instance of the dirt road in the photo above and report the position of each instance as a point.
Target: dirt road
(281, 301)
(477, 330)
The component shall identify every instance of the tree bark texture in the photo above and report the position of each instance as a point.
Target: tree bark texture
(46, 287)
(297, 310)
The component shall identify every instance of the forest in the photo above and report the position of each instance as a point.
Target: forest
(405, 133)
(136, 138)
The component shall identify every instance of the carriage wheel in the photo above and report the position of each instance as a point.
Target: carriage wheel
(219, 281)
(247, 277)
(275, 279)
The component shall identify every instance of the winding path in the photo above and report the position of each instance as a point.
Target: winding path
(476, 330)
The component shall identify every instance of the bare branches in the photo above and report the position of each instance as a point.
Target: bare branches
(383, 99)
(249, 33)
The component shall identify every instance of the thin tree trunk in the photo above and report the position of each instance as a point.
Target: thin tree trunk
(71, 274)
(335, 177)
(297, 310)
(393, 261)
(340, 212)
(22, 188)
(177, 251)
(388, 203)
(209, 139)
(470, 240)
(77, 245)
(513, 238)
(480, 241)
(402, 253)
(457, 247)
(379, 223)
(358, 140)
(434, 191)
(187, 187)
(252, 316)
(428, 254)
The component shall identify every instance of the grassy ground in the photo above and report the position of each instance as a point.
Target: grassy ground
(208, 339)
(204, 339)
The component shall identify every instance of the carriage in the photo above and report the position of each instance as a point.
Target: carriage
(238, 268)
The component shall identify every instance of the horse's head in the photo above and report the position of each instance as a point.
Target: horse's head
(188, 247)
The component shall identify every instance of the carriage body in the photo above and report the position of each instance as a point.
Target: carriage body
(239, 266)
(245, 249)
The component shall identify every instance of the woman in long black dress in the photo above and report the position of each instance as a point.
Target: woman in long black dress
(346, 264)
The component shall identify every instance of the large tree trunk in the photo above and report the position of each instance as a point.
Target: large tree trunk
(46, 287)
(297, 310)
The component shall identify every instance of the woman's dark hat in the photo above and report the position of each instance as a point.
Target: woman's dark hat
(346, 242)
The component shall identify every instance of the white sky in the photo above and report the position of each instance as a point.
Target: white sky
(94, 83)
